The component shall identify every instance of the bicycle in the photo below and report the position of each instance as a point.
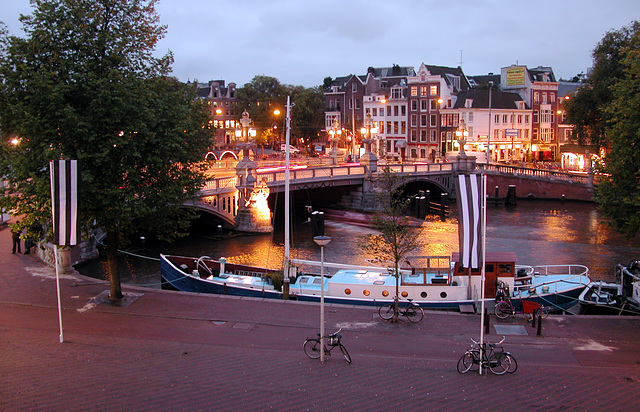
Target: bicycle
(311, 346)
(487, 355)
(412, 311)
(505, 308)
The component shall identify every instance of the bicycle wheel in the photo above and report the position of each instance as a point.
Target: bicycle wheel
(502, 310)
(499, 363)
(312, 348)
(466, 362)
(543, 312)
(513, 366)
(414, 314)
(345, 353)
(386, 311)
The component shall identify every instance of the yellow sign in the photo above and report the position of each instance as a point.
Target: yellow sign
(515, 76)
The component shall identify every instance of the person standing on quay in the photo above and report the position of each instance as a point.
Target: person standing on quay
(16, 231)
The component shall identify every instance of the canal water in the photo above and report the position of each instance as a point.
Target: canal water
(539, 232)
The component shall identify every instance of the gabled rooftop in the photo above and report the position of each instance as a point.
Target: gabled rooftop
(480, 98)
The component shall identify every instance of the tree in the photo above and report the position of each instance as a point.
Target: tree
(398, 237)
(587, 109)
(307, 116)
(618, 192)
(83, 84)
(260, 98)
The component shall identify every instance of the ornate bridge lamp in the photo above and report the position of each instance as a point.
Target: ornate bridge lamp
(368, 159)
(335, 134)
(462, 134)
(253, 211)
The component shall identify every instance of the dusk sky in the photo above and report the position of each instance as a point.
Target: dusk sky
(300, 42)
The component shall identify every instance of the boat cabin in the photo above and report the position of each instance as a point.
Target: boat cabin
(499, 266)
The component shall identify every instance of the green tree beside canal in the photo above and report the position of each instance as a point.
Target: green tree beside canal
(397, 235)
(606, 112)
(84, 84)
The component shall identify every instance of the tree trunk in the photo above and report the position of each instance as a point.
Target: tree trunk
(396, 310)
(112, 262)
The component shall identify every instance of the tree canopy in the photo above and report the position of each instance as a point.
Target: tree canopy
(397, 236)
(84, 84)
(264, 94)
(606, 112)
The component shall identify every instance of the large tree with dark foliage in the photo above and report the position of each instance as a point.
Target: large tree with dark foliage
(606, 112)
(83, 84)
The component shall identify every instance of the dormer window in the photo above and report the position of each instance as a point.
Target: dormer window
(468, 103)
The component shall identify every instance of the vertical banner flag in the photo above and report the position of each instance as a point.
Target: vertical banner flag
(64, 201)
(469, 191)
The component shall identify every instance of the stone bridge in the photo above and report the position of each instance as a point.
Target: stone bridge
(220, 196)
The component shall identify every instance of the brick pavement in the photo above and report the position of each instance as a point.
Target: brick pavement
(177, 351)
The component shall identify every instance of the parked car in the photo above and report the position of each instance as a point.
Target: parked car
(292, 149)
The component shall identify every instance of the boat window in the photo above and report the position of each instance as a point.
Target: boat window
(303, 279)
(489, 268)
(443, 295)
(347, 291)
(423, 294)
(378, 282)
(317, 281)
(404, 294)
(505, 268)
(385, 293)
(366, 292)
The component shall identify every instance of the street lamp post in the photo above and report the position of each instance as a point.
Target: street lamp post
(368, 159)
(462, 133)
(322, 241)
(335, 134)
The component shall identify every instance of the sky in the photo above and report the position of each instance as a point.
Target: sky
(300, 42)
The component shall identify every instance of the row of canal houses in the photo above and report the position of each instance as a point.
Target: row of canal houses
(414, 114)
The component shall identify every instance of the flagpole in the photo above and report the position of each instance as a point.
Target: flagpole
(483, 230)
(58, 292)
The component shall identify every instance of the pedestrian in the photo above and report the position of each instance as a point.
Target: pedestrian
(16, 231)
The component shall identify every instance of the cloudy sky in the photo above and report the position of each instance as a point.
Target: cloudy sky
(301, 42)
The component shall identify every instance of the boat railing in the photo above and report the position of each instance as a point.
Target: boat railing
(578, 274)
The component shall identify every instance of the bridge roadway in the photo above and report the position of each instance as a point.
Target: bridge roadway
(219, 195)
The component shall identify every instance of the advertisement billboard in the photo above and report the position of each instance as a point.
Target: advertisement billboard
(515, 76)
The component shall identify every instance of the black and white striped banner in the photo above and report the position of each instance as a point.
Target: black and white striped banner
(470, 196)
(64, 201)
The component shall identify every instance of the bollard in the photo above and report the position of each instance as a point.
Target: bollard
(427, 196)
(539, 332)
(443, 205)
(562, 200)
(496, 192)
(422, 207)
(220, 231)
(143, 242)
(511, 200)
(487, 322)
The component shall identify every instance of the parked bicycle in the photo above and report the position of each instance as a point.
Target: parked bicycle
(490, 355)
(412, 311)
(504, 305)
(333, 340)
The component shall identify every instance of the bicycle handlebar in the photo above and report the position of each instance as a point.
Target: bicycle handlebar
(488, 343)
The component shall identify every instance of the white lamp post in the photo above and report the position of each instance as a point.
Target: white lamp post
(322, 241)
(462, 134)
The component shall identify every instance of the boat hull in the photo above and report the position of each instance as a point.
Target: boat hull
(179, 280)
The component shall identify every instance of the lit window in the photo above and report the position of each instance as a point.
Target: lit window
(347, 291)
(385, 293)
(404, 294)
(366, 292)
(434, 90)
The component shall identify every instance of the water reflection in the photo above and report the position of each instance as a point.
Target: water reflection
(538, 232)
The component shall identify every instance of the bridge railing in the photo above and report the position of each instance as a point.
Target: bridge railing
(537, 173)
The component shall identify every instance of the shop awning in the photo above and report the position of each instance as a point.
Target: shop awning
(578, 149)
